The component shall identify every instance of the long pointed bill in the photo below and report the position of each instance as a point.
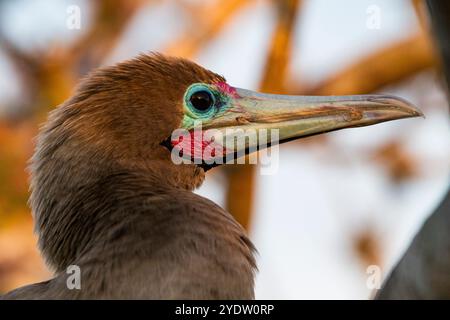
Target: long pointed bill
(252, 119)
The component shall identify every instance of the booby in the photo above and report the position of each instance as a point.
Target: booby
(108, 197)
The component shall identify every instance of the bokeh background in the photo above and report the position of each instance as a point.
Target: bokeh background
(338, 203)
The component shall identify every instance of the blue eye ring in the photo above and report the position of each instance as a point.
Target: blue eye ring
(200, 101)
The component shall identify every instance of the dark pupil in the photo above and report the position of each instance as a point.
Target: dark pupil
(201, 100)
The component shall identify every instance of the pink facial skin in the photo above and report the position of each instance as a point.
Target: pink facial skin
(227, 89)
(195, 146)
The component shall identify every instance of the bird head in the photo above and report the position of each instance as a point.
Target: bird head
(131, 114)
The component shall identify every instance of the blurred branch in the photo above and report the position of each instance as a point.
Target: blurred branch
(366, 244)
(423, 271)
(440, 13)
(110, 20)
(239, 197)
(277, 63)
(20, 262)
(387, 66)
(421, 14)
(24, 66)
(400, 165)
(50, 76)
(209, 21)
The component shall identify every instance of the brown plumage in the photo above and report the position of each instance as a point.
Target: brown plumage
(107, 197)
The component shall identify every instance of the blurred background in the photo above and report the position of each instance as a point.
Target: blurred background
(338, 204)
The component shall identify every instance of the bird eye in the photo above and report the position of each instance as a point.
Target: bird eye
(201, 100)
